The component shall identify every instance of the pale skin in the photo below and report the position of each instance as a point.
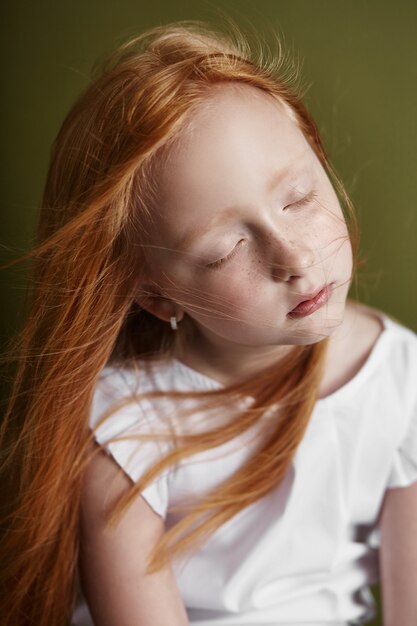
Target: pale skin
(243, 183)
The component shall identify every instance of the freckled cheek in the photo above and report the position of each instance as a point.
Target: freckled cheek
(237, 294)
(328, 225)
(239, 290)
(332, 238)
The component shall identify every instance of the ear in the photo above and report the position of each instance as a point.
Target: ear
(153, 301)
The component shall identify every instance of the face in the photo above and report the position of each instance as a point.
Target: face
(248, 226)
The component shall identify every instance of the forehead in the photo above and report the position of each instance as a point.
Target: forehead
(237, 141)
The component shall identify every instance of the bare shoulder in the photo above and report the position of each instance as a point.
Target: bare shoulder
(351, 345)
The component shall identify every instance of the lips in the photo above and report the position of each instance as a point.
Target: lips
(311, 302)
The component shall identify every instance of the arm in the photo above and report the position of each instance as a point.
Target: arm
(398, 556)
(113, 562)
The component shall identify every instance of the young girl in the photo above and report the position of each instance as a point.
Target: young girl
(203, 428)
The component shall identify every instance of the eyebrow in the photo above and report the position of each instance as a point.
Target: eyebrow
(184, 241)
(277, 178)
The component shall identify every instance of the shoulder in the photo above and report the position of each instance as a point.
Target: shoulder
(133, 428)
(132, 380)
(140, 395)
(122, 398)
(143, 376)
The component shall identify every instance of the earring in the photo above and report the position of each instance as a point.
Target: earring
(173, 322)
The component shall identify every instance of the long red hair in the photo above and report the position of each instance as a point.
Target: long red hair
(81, 315)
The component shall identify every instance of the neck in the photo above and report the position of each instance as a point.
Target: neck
(229, 363)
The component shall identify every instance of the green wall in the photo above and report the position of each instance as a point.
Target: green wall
(359, 61)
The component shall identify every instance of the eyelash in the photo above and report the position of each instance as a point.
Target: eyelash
(312, 195)
(216, 264)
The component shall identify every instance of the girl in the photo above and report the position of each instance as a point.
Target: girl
(203, 428)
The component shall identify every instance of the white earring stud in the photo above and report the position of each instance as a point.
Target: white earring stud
(173, 322)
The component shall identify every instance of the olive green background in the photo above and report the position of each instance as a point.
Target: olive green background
(359, 61)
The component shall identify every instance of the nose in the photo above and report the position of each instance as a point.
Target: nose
(289, 258)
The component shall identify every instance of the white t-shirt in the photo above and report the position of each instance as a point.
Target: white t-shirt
(307, 552)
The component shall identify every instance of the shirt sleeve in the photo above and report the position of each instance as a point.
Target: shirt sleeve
(404, 467)
(120, 436)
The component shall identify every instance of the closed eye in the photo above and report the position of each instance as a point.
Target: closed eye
(220, 262)
(312, 195)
